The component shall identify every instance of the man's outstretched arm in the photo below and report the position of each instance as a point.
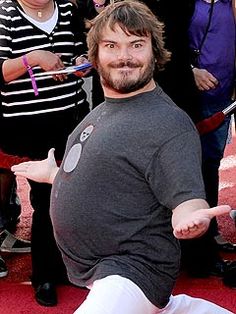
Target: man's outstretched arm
(191, 219)
(43, 171)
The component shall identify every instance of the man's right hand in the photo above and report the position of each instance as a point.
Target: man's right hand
(43, 171)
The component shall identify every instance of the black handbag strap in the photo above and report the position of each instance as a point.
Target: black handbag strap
(207, 27)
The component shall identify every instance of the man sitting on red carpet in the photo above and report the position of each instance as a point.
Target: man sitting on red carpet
(130, 183)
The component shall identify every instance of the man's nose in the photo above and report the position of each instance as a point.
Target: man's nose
(124, 54)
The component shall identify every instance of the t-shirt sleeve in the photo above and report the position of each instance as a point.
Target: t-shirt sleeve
(174, 172)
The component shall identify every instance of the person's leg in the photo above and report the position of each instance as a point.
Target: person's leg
(213, 146)
(6, 184)
(14, 208)
(201, 256)
(47, 266)
(183, 303)
(8, 242)
(116, 295)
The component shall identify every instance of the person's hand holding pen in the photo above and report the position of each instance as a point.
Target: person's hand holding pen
(48, 61)
(83, 59)
(57, 70)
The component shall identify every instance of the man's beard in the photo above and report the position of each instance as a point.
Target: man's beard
(124, 84)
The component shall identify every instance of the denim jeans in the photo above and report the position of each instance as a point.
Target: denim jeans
(213, 146)
(199, 255)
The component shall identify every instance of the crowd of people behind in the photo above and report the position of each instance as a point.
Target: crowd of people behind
(194, 64)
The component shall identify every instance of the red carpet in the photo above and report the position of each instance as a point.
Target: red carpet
(17, 297)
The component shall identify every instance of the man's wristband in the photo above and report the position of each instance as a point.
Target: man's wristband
(192, 66)
(31, 74)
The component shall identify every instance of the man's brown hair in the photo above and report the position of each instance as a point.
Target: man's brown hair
(134, 18)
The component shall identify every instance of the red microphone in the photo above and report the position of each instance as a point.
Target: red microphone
(7, 160)
(213, 122)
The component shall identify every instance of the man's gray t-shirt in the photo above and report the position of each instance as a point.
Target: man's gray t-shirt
(127, 165)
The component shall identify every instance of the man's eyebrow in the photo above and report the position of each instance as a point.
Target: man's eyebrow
(107, 41)
(114, 42)
(138, 41)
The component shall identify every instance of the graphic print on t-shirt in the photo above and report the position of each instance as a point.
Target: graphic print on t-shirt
(86, 133)
(74, 153)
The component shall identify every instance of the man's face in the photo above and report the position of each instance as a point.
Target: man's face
(125, 62)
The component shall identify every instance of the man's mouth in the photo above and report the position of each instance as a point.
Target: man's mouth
(125, 65)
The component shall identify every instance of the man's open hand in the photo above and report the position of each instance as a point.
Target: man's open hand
(197, 222)
(43, 171)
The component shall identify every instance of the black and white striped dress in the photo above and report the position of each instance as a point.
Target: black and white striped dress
(31, 124)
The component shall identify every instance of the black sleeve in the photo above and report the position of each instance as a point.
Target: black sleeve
(86, 9)
(78, 28)
(2, 81)
(5, 40)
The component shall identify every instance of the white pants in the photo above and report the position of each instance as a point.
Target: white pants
(118, 295)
